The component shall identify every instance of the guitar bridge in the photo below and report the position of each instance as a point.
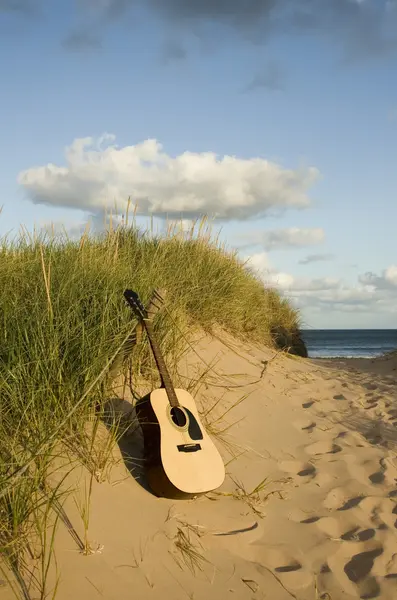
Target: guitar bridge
(188, 447)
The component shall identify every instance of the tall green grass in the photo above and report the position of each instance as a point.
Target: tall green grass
(62, 321)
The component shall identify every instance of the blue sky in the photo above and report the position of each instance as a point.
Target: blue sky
(208, 78)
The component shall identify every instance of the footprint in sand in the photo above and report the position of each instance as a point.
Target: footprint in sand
(299, 468)
(310, 520)
(370, 386)
(334, 528)
(305, 424)
(287, 568)
(322, 447)
(340, 500)
(349, 439)
(368, 471)
(351, 503)
(298, 515)
(352, 565)
(377, 478)
(345, 529)
(378, 513)
(356, 534)
(306, 517)
(358, 570)
(308, 404)
(388, 466)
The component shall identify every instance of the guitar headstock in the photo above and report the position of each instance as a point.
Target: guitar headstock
(135, 303)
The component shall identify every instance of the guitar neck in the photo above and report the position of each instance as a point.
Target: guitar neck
(165, 377)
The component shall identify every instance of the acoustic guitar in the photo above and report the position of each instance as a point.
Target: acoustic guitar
(181, 459)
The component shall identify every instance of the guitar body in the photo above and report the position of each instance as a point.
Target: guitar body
(181, 459)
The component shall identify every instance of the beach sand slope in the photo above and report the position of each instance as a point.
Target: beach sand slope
(308, 509)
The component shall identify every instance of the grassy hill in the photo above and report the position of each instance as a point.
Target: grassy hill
(62, 321)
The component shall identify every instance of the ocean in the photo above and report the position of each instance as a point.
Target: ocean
(349, 343)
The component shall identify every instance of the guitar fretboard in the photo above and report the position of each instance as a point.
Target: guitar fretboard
(162, 367)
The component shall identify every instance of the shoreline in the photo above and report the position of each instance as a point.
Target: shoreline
(383, 365)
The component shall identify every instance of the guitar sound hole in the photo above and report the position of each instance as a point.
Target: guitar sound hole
(178, 416)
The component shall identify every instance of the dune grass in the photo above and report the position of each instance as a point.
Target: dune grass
(62, 321)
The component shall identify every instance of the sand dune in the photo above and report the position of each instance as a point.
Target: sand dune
(308, 509)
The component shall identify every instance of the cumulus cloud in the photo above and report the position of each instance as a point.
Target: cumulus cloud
(259, 263)
(100, 174)
(327, 294)
(311, 258)
(283, 239)
(386, 281)
(294, 237)
(371, 293)
(320, 284)
(304, 285)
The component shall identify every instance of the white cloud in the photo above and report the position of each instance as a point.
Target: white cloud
(99, 174)
(305, 284)
(391, 275)
(329, 294)
(259, 263)
(292, 238)
(281, 239)
(371, 294)
(386, 281)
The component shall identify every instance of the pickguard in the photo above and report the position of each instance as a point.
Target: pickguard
(194, 429)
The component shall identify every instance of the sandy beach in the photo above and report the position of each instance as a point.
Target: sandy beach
(308, 509)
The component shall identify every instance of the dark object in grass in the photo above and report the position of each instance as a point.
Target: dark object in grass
(289, 340)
